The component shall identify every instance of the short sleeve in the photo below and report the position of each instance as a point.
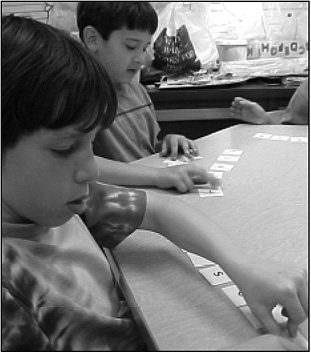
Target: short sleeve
(114, 213)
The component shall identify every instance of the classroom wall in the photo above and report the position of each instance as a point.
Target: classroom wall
(225, 19)
(245, 20)
(38, 10)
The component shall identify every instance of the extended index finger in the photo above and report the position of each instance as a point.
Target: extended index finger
(297, 309)
(200, 176)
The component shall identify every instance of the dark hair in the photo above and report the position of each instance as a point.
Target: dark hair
(109, 16)
(50, 81)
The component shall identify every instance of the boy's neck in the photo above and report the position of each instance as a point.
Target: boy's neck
(8, 215)
(122, 87)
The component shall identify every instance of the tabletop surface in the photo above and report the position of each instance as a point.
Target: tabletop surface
(265, 206)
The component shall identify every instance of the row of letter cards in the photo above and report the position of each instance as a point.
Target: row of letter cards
(269, 136)
(214, 274)
(218, 168)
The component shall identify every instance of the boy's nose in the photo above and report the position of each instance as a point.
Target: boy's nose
(88, 171)
(141, 58)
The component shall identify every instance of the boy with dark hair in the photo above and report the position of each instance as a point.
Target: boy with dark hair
(119, 33)
(58, 292)
(134, 132)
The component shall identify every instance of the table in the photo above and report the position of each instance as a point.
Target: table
(265, 206)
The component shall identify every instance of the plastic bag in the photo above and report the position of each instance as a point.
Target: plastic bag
(182, 42)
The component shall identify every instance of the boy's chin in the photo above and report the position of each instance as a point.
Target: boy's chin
(128, 77)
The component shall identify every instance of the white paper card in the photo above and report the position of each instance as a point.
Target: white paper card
(217, 174)
(215, 275)
(263, 135)
(233, 152)
(176, 162)
(250, 317)
(228, 158)
(182, 159)
(235, 295)
(279, 138)
(199, 261)
(197, 157)
(210, 192)
(299, 139)
(221, 167)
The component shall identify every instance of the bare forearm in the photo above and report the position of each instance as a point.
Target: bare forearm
(264, 284)
(197, 234)
(124, 174)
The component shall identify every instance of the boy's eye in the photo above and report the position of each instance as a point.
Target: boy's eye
(130, 47)
(64, 151)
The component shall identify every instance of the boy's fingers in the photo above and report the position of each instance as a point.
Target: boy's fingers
(189, 183)
(304, 293)
(296, 305)
(190, 149)
(296, 315)
(194, 150)
(200, 176)
(269, 323)
(182, 186)
(186, 149)
(174, 149)
(292, 328)
(215, 182)
(199, 179)
(241, 100)
(163, 149)
(237, 102)
(248, 104)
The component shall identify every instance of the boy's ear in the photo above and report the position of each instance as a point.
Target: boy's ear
(91, 38)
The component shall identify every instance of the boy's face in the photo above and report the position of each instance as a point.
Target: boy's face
(46, 176)
(124, 53)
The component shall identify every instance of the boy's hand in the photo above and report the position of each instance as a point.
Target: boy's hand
(184, 177)
(265, 284)
(248, 111)
(173, 143)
